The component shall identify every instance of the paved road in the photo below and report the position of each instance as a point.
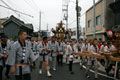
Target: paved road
(62, 73)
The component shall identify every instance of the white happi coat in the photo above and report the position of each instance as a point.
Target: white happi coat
(85, 48)
(16, 55)
(69, 51)
(112, 47)
(54, 48)
(93, 51)
(1, 55)
(61, 48)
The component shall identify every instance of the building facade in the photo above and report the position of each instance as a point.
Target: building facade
(13, 25)
(115, 7)
(74, 33)
(2, 20)
(104, 19)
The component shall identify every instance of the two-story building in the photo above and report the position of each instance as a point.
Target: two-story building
(104, 19)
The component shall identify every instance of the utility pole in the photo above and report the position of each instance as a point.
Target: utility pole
(94, 17)
(39, 32)
(77, 13)
(40, 22)
(65, 12)
(67, 18)
(47, 27)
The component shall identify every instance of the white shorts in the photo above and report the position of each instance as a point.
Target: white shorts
(45, 58)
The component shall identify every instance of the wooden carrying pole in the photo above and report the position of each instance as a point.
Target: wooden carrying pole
(98, 56)
(111, 58)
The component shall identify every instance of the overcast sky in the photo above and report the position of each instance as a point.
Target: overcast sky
(51, 11)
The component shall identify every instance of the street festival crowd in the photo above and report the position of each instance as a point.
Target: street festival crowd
(20, 56)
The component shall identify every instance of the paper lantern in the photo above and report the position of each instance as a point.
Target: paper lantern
(109, 33)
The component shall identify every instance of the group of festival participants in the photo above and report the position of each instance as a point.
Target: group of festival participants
(19, 57)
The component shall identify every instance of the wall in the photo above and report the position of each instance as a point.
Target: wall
(110, 16)
(89, 16)
(2, 21)
(11, 29)
(117, 19)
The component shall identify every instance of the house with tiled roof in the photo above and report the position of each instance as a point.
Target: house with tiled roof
(13, 25)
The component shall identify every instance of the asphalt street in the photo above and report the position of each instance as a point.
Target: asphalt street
(62, 73)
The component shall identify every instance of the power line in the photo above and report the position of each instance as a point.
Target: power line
(35, 4)
(11, 9)
(8, 7)
(29, 5)
(16, 11)
(12, 3)
(72, 22)
(75, 20)
(82, 14)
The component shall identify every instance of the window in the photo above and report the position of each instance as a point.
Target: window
(98, 20)
(89, 23)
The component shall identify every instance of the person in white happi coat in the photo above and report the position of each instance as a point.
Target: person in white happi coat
(34, 49)
(60, 52)
(80, 45)
(53, 45)
(21, 58)
(65, 47)
(93, 61)
(1, 62)
(104, 43)
(102, 49)
(44, 51)
(108, 64)
(38, 41)
(69, 53)
(112, 47)
(85, 49)
(3, 56)
(28, 41)
(34, 45)
(10, 42)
